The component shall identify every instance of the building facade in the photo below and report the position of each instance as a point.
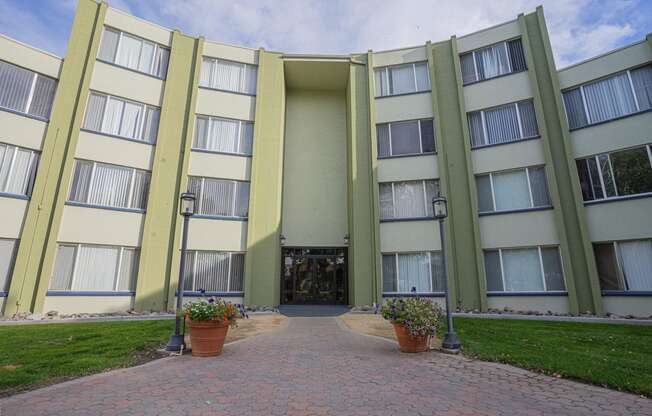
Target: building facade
(314, 174)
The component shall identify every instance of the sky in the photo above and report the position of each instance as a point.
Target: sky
(579, 29)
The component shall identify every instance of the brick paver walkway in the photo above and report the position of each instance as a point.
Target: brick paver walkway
(315, 366)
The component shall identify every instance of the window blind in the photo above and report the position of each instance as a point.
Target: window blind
(214, 271)
(224, 135)
(492, 61)
(220, 197)
(102, 184)
(228, 75)
(624, 265)
(407, 199)
(401, 79)
(17, 170)
(25, 91)
(503, 124)
(133, 52)
(408, 272)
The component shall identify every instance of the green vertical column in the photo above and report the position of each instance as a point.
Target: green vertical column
(263, 258)
(365, 285)
(464, 253)
(577, 253)
(162, 220)
(37, 247)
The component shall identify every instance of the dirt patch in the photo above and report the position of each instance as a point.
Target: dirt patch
(375, 325)
(255, 325)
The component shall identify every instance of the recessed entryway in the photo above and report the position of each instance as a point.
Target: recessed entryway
(313, 276)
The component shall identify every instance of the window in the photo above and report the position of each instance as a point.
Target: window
(7, 258)
(536, 269)
(101, 184)
(220, 197)
(512, 190)
(224, 135)
(26, 91)
(412, 137)
(616, 96)
(402, 79)
(119, 117)
(616, 174)
(492, 61)
(135, 53)
(83, 267)
(403, 272)
(214, 271)
(504, 124)
(17, 170)
(409, 199)
(228, 75)
(624, 265)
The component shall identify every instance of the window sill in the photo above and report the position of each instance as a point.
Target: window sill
(380, 97)
(408, 219)
(195, 294)
(80, 204)
(492, 78)
(87, 293)
(547, 293)
(219, 217)
(628, 293)
(115, 136)
(14, 196)
(246, 94)
(130, 69)
(217, 152)
(407, 155)
(20, 113)
(413, 295)
(618, 198)
(610, 120)
(484, 146)
(515, 211)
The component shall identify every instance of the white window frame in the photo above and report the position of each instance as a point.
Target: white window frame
(529, 186)
(140, 126)
(229, 275)
(213, 75)
(209, 129)
(425, 199)
(418, 121)
(31, 171)
(414, 77)
(397, 278)
(521, 137)
(510, 64)
(151, 67)
(233, 203)
(539, 249)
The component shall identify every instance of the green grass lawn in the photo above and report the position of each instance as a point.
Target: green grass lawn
(616, 356)
(34, 355)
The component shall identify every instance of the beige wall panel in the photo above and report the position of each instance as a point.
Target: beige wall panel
(88, 304)
(488, 36)
(131, 24)
(100, 226)
(315, 169)
(408, 168)
(614, 135)
(232, 53)
(107, 149)
(508, 156)
(638, 306)
(128, 84)
(226, 104)
(400, 56)
(497, 91)
(403, 107)
(404, 236)
(22, 131)
(518, 230)
(543, 304)
(615, 61)
(620, 220)
(29, 57)
(221, 235)
(12, 212)
(215, 165)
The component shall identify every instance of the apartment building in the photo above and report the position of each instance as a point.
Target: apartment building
(314, 174)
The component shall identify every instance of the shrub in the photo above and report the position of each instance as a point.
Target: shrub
(420, 317)
(213, 310)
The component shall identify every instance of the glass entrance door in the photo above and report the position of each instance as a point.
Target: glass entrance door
(313, 276)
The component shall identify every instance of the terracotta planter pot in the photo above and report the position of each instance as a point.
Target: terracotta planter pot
(207, 337)
(407, 342)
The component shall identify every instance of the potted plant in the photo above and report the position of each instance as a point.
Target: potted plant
(415, 320)
(209, 321)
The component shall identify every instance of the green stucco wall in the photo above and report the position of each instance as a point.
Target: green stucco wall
(575, 245)
(466, 273)
(159, 257)
(37, 247)
(262, 262)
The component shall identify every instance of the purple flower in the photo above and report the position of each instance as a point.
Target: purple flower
(211, 300)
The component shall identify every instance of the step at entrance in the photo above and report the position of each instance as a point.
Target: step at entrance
(312, 310)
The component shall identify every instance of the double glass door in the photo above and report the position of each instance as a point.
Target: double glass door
(313, 276)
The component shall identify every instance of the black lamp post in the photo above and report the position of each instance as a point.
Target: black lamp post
(440, 210)
(186, 208)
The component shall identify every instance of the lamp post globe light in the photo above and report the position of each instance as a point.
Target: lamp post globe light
(187, 209)
(440, 210)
